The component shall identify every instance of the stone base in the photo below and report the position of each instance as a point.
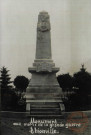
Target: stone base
(45, 107)
(27, 106)
(43, 87)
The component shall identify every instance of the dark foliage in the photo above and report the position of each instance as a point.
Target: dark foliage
(81, 99)
(65, 81)
(4, 82)
(76, 102)
(21, 83)
(82, 80)
(5, 79)
(11, 100)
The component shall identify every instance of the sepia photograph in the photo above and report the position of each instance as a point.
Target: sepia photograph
(45, 67)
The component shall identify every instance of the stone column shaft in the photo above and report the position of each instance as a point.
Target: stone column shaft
(43, 45)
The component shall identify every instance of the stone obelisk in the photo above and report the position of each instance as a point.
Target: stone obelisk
(43, 86)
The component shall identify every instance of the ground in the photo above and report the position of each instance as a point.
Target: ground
(10, 127)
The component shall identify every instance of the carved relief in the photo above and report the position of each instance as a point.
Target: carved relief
(44, 67)
(43, 22)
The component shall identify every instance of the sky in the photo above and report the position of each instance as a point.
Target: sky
(70, 34)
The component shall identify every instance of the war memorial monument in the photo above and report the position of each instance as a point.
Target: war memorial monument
(43, 95)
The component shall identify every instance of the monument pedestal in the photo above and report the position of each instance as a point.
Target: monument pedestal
(43, 88)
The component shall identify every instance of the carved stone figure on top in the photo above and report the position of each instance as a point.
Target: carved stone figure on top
(43, 22)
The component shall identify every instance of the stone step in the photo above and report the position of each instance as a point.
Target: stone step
(45, 113)
(44, 100)
(45, 108)
(45, 103)
(41, 97)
